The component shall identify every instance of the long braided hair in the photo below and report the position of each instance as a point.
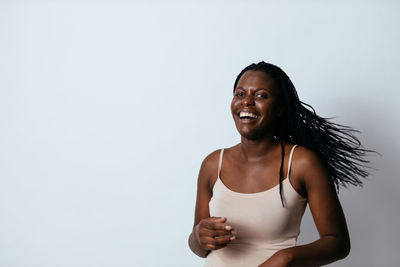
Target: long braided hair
(335, 144)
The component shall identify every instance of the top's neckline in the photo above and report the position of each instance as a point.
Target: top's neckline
(255, 194)
(251, 193)
(286, 180)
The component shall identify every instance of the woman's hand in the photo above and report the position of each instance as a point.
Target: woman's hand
(214, 233)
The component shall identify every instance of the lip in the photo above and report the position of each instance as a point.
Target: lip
(246, 121)
(248, 111)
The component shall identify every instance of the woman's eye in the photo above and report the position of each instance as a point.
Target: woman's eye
(239, 94)
(262, 95)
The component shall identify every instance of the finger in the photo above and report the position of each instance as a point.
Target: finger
(219, 240)
(213, 218)
(223, 240)
(213, 233)
(209, 221)
(214, 243)
(209, 243)
(219, 226)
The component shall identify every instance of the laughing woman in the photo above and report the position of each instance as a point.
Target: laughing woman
(251, 197)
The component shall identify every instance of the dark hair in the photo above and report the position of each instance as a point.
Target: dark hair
(335, 144)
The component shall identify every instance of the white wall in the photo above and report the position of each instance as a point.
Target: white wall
(107, 109)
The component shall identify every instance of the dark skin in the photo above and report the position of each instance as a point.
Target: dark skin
(253, 166)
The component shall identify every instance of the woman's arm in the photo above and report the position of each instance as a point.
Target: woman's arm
(208, 233)
(334, 241)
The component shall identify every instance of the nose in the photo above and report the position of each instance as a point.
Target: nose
(248, 100)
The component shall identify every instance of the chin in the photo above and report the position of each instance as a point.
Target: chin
(251, 135)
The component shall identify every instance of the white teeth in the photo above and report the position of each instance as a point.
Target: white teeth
(246, 114)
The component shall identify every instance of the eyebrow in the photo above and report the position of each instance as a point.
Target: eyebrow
(257, 89)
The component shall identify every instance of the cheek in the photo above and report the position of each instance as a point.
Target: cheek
(265, 107)
(233, 106)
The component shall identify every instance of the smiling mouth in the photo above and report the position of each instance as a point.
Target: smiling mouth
(247, 116)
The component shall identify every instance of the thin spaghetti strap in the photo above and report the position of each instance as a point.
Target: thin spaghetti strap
(220, 161)
(290, 160)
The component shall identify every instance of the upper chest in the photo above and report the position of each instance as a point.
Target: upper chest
(257, 175)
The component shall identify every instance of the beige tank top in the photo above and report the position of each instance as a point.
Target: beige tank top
(263, 226)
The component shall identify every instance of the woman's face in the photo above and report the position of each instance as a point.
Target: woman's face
(255, 105)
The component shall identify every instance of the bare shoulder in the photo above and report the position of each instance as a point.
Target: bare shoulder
(305, 159)
(209, 168)
(211, 159)
(308, 169)
(204, 191)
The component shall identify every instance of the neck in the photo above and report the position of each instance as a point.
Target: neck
(255, 149)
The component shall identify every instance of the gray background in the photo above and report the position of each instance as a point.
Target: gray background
(107, 109)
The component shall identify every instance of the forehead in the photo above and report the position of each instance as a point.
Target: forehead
(256, 79)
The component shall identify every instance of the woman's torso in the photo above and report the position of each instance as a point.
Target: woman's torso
(263, 226)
